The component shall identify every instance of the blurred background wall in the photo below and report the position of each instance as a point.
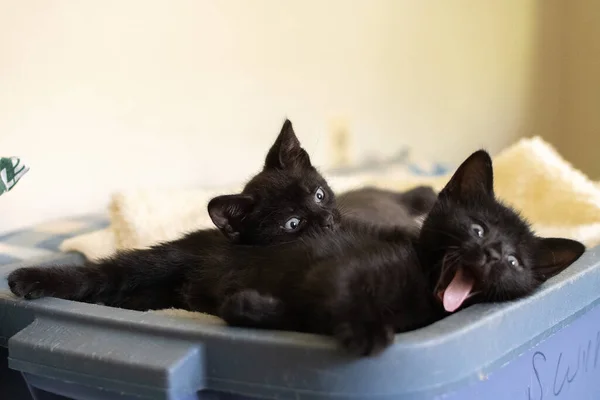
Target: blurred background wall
(104, 96)
(579, 111)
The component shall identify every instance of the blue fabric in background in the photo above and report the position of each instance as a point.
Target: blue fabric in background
(44, 239)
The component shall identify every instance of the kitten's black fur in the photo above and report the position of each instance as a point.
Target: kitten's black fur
(388, 209)
(359, 283)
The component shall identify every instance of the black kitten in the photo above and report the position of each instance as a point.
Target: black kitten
(289, 199)
(286, 200)
(470, 246)
(474, 247)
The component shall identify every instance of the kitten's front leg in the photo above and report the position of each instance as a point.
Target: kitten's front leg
(27, 283)
(360, 324)
(364, 338)
(251, 309)
(147, 278)
(35, 282)
(355, 296)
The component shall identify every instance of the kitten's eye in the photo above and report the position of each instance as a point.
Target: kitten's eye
(319, 195)
(512, 260)
(292, 224)
(478, 230)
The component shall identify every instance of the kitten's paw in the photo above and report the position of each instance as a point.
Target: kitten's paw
(364, 339)
(251, 309)
(27, 283)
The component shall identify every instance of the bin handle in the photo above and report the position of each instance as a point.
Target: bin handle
(106, 357)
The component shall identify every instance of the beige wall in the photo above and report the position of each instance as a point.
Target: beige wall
(579, 138)
(101, 96)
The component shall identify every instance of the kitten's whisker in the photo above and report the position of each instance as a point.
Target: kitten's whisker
(446, 264)
(449, 261)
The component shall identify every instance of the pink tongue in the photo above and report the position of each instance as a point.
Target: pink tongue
(457, 291)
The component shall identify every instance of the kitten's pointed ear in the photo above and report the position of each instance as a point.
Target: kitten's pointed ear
(556, 254)
(286, 152)
(227, 212)
(474, 178)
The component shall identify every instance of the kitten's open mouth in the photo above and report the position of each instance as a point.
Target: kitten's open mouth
(458, 290)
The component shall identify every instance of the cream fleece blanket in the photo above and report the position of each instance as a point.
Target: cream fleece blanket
(530, 176)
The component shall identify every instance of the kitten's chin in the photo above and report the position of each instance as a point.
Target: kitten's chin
(458, 290)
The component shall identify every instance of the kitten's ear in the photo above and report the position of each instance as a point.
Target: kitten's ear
(227, 212)
(286, 152)
(474, 178)
(556, 254)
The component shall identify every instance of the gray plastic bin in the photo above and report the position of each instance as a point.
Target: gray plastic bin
(545, 346)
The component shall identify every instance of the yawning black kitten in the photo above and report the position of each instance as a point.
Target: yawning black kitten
(474, 247)
(286, 200)
(471, 245)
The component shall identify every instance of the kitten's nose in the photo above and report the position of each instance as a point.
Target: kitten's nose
(328, 222)
(492, 254)
(474, 257)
